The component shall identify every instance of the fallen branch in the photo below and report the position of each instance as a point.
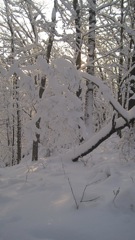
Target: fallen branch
(99, 137)
(102, 135)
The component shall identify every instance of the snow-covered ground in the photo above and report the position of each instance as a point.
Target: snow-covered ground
(36, 200)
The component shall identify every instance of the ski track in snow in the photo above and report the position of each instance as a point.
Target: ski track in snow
(36, 200)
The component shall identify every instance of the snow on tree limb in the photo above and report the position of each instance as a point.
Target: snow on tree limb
(107, 95)
(101, 136)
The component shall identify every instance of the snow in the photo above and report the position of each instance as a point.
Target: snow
(107, 94)
(36, 201)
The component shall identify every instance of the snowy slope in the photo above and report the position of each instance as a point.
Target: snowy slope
(36, 201)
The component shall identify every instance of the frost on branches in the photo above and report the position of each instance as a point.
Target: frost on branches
(60, 110)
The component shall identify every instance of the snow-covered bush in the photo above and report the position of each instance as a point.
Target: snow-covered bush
(127, 144)
(61, 112)
(102, 110)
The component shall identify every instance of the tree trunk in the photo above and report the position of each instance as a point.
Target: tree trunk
(16, 121)
(78, 34)
(78, 40)
(131, 102)
(43, 81)
(17, 138)
(35, 143)
(19, 128)
(90, 66)
(121, 59)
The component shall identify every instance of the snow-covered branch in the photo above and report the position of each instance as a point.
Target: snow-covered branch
(107, 95)
(99, 137)
(88, 146)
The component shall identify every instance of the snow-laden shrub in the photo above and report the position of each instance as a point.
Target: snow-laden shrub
(60, 110)
(127, 144)
(102, 110)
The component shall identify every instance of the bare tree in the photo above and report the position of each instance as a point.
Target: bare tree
(16, 121)
(90, 64)
(43, 80)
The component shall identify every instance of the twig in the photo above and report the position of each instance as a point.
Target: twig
(77, 206)
(90, 200)
(115, 195)
(99, 180)
(83, 193)
(70, 185)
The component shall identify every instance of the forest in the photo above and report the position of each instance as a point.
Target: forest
(67, 101)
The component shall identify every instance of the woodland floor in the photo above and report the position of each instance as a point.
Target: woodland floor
(36, 201)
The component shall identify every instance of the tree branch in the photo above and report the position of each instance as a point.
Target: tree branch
(108, 95)
(101, 136)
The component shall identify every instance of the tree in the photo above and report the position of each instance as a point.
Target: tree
(78, 33)
(87, 39)
(131, 101)
(90, 65)
(16, 130)
(43, 80)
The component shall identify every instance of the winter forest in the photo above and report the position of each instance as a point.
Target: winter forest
(67, 101)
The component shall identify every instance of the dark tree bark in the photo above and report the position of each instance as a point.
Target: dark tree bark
(121, 53)
(105, 133)
(132, 72)
(132, 83)
(127, 117)
(19, 127)
(90, 65)
(16, 130)
(43, 81)
(121, 58)
(78, 33)
(78, 39)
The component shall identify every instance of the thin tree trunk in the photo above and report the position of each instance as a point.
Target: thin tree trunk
(9, 22)
(43, 81)
(13, 139)
(90, 66)
(17, 138)
(121, 55)
(121, 59)
(78, 39)
(131, 102)
(19, 128)
(78, 34)
(35, 143)
(8, 134)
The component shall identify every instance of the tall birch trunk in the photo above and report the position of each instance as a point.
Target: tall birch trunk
(90, 66)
